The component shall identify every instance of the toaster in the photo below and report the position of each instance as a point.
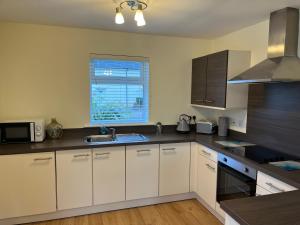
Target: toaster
(206, 127)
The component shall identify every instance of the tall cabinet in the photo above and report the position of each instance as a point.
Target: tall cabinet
(209, 80)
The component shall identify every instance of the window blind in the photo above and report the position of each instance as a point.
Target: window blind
(119, 90)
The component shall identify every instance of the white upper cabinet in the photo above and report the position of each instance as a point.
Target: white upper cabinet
(109, 175)
(74, 178)
(174, 171)
(142, 163)
(27, 184)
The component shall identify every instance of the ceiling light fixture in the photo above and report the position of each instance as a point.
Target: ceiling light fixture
(136, 6)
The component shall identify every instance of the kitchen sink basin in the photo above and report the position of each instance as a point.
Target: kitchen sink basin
(99, 138)
(119, 138)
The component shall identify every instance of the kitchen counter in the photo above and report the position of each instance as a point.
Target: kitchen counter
(251, 211)
(276, 209)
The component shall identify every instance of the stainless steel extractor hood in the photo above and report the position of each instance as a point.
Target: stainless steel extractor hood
(283, 64)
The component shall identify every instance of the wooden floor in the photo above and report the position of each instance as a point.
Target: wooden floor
(188, 212)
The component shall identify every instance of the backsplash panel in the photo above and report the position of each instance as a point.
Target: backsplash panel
(274, 116)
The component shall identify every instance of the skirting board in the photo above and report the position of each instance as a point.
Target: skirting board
(108, 207)
(97, 209)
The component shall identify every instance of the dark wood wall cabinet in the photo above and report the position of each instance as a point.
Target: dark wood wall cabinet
(209, 80)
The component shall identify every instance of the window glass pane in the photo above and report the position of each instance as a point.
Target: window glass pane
(122, 100)
(117, 68)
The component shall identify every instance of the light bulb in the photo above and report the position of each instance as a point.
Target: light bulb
(119, 19)
(138, 15)
(141, 22)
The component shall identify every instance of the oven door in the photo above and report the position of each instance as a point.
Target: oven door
(17, 132)
(232, 184)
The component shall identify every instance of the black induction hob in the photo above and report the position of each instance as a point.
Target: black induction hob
(261, 154)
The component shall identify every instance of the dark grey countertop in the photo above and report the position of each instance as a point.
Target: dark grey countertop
(276, 209)
(243, 210)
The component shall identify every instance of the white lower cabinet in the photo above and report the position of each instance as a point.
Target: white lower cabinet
(74, 178)
(230, 221)
(272, 184)
(193, 171)
(142, 163)
(261, 191)
(109, 175)
(174, 170)
(207, 179)
(27, 184)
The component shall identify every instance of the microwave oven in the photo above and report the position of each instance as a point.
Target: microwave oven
(22, 131)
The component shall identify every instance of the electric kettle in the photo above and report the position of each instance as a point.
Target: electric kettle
(183, 126)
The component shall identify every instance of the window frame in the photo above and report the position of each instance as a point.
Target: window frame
(142, 80)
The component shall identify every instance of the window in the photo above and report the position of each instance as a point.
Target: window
(119, 90)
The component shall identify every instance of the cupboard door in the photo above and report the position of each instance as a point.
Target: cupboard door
(207, 180)
(109, 175)
(27, 184)
(199, 80)
(74, 179)
(142, 162)
(174, 171)
(217, 79)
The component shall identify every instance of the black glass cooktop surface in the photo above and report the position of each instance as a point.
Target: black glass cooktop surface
(261, 154)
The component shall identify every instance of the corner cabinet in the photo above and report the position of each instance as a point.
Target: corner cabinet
(27, 184)
(209, 80)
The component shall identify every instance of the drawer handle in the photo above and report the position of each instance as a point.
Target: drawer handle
(100, 154)
(42, 159)
(209, 101)
(169, 149)
(206, 153)
(143, 150)
(81, 155)
(274, 187)
(210, 167)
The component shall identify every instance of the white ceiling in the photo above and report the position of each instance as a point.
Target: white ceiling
(188, 18)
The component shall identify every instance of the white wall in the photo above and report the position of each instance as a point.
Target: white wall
(45, 71)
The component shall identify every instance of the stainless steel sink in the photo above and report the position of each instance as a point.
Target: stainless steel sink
(120, 138)
(99, 138)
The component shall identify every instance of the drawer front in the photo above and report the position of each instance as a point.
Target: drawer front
(208, 153)
(272, 184)
(261, 191)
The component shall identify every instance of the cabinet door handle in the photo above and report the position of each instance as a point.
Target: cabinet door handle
(101, 155)
(42, 159)
(274, 187)
(143, 150)
(206, 153)
(210, 167)
(209, 101)
(81, 155)
(169, 149)
(105, 153)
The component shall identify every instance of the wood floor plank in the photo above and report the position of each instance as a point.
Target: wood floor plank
(151, 216)
(189, 212)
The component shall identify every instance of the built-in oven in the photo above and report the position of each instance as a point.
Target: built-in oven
(235, 180)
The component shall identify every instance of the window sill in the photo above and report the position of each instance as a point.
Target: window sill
(118, 125)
